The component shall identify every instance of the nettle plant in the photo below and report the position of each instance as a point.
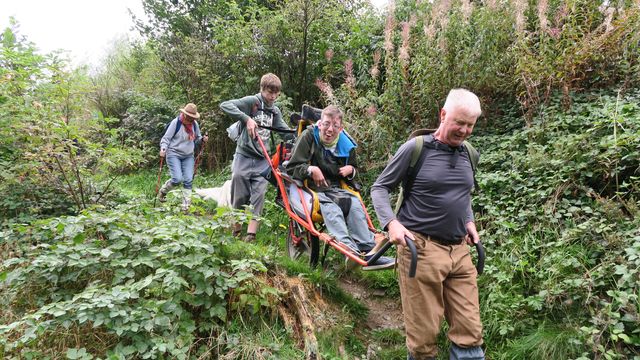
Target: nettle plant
(558, 207)
(126, 282)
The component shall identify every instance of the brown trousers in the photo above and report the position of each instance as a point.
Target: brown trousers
(445, 286)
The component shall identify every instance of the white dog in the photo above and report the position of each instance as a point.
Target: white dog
(222, 195)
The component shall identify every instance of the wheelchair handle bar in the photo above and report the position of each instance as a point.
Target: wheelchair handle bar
(387, 246)
(481, 255)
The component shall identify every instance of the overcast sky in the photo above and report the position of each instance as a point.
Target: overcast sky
(86, 28)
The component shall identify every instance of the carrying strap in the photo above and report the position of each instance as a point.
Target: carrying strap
(259, 106)
(417, 160)
(178, 125)
(286, 131)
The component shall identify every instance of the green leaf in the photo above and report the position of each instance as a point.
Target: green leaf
(78, 354)
(162, 320)
(72, 354)
(106, 253)
(79, 238)
(625, 338)
(128, 350)
(218, 311)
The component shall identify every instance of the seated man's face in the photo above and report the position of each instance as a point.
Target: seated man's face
(329, 128)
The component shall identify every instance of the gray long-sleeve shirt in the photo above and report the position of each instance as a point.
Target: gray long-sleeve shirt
(179, 144)
(440, 201)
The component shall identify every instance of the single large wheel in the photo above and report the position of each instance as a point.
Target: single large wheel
(301, 243)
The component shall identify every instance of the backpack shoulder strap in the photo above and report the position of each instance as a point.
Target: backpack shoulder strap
(177, 128)
(417, 158)
(474, 157)
(415, 154)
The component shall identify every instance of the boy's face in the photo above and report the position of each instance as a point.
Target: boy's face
(269, 96)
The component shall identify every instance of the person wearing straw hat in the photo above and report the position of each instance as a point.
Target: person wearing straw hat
(178, 145)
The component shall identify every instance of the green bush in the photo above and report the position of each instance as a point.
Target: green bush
(558, 208)
(145, 120)
(56, 156)
(152, 284)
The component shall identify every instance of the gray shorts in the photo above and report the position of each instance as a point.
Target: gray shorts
(247, 185)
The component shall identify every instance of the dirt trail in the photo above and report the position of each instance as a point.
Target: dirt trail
(384, 312)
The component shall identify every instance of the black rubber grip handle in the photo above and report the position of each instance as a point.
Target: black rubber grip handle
(481, 255)
(387, 246)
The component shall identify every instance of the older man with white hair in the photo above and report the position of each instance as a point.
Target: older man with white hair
(436, 214)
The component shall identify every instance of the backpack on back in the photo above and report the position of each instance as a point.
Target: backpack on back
(417, 159)
(178, 126)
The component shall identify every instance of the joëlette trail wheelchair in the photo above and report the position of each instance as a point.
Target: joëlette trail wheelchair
(306, 226)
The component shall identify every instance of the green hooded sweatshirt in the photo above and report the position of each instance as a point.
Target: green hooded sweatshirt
(253, 107)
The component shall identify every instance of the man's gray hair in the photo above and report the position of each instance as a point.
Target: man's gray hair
(464, 100)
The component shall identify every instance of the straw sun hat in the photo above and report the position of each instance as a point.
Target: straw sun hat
(191, 110)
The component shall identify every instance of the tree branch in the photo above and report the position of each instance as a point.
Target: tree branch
(64, 175)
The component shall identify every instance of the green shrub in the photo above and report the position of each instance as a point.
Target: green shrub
(56, 156)
(558, 209)
(154, 284)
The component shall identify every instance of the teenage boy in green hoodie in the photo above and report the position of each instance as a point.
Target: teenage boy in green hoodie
(247, 185)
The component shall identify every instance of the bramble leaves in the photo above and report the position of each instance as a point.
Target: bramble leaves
(559, 211)
(151, 280)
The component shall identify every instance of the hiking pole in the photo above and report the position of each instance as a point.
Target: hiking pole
(195, 166)
(158, 183)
